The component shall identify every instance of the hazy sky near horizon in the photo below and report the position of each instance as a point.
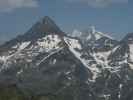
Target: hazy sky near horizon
(114, 17)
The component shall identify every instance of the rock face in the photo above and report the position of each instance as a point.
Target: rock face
(94, 39)
(45, 63)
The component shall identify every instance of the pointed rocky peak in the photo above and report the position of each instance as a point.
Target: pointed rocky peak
(90, 34)
(76, 33)
(47, 21)
(92, 30)
(96, 39)
(45, 25)
(42, 28)
(97, 34)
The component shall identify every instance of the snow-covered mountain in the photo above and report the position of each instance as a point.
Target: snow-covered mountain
(123, 53)
(89, 35)
(82, 66)
(96, 39)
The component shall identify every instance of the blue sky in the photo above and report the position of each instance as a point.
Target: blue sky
(114, 17)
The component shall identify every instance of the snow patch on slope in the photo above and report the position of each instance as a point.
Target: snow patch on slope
(72, 48)
(19, 47)
(73, 43)
(48, 56)
(49, 42)
(102, 57)
(25, 51)
(99, 35)
(23, 45)
(5, 60)
(131, 56)
(131, 51)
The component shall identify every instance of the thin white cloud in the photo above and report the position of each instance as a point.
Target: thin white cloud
(10, 5)
(100, 3)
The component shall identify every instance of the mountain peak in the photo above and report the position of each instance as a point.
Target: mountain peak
(47, 17)
(45, 25)
(46, 20)
(90, 34)
(92, 29)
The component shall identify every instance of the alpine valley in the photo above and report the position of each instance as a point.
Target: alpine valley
(45, 63)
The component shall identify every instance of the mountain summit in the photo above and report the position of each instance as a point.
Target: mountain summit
(93, 38)
(45, 25)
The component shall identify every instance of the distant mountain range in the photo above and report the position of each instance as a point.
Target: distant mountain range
(83, 65)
